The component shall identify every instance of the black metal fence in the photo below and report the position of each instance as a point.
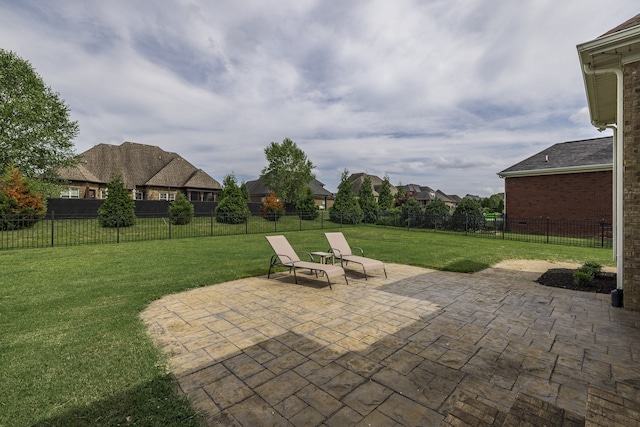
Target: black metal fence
(21, 231)
(64, 230)
(539, 230)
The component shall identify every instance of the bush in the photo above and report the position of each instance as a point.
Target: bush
(272, 208)
(118, 209)
(180, 210)
(586, 273)
(20, 205)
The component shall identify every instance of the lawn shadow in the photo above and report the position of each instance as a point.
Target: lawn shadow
(465, 266)
(156, 402)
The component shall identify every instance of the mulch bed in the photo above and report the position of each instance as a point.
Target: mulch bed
(604, 283)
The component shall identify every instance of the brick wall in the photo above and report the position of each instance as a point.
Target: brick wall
(631, 280)
(574, 196)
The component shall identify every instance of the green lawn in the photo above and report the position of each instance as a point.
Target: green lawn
(74, 351)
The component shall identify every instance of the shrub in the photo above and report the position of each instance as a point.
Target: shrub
(118, 209)
(21, 206)
(586, 273)
(272, 208)
(583, 277)
(180, 210)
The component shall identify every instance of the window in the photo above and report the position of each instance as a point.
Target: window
(70, 193)
(168, 196)
(139, 195)
(103, 194)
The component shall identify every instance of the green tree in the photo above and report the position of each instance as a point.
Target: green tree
(289, 171)
(36, 134)
(306, 206)
(493, 203)
(21, 205)
(468, 215)
(245, 191)
(411, 212)
(367, 201)
(437, 207)
(345, 209)
(232, 205)
(385, 198)
(180, 210)
(118, 209)
(272, 207)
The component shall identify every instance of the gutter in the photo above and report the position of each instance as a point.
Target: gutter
(618, 146)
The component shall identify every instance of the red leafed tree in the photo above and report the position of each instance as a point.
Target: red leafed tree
(20, 205)
(272, 207)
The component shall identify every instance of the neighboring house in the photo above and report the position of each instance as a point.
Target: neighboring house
(356, 180)
(323, 197)
(567, 181)
(149, 172)
(425, 195)
(611, 73)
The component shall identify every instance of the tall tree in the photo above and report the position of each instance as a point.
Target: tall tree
(289, 171)
(385, 198)
(367, 201)
(345, 209)
(36, 133)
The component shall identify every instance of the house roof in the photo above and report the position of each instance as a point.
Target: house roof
(585, 155)
(256, 187)
(140, 165)
(612, 50)
(356, 180)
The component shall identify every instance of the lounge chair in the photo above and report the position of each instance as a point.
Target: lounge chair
(285, 256)
(342, 251)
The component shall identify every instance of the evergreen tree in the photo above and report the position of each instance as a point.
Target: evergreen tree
(180, 210)
(232, 206)
(345, 208)
(367, 201)
(468, 215)
(245, 191)
(385, 198)
(306, 206)
(118, 209)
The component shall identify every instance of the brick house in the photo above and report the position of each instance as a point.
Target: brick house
(567, 181)
(149, 172)
(611, 72)
(323, 197)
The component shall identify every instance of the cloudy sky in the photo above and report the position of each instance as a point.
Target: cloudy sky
(443, 93)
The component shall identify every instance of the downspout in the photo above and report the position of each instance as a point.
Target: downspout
(618, 169)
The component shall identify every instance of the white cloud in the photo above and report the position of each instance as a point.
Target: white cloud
(439, 93)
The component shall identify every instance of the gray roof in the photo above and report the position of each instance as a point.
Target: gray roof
(256, 187)
(356, 180)
(573, 156)
(140, 165)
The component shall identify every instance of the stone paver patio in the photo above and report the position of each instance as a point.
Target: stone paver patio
(400, 351)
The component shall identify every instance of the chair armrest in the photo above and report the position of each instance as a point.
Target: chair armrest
(336, 252)
(360, 249)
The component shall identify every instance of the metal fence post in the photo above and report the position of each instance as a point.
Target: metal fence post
(52, 228)
(211, 224)
(547, 229)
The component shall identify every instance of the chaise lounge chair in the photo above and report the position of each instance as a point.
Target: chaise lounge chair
(342, 251)
(285, 256)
